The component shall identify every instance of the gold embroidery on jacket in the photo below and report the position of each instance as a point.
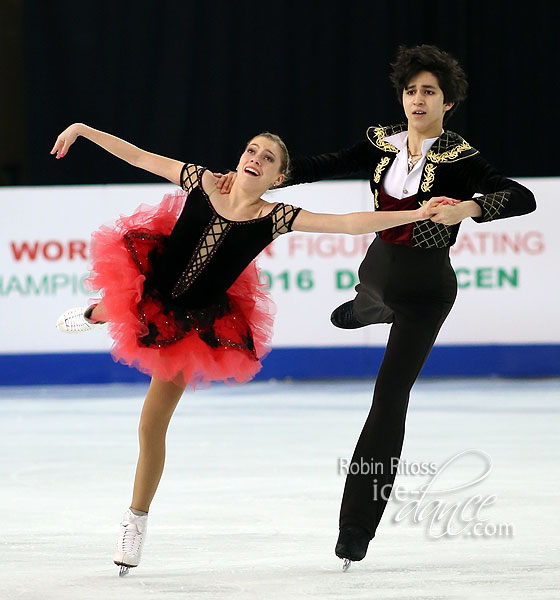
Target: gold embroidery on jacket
(427, 234)
(380, 142)
(450, 155)
(379, 169)
(492, 204)
(429, 177)
(375, 199)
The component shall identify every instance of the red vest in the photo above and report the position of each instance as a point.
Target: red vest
(403, 233)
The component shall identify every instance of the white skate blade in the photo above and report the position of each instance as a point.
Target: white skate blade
(124, 570)
(346, 564)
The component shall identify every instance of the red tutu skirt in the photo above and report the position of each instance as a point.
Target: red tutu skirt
(224, 343)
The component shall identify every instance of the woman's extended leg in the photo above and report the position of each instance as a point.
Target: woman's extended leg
(160, 403)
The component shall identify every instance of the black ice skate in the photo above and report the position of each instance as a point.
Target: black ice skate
(343, 317)
(352, 544)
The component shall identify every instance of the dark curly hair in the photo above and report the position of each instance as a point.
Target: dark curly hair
(451, 77)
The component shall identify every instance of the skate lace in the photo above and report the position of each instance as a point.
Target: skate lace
(131, 538)
(76, 321)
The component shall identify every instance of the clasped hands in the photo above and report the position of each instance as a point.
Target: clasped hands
(447, 211)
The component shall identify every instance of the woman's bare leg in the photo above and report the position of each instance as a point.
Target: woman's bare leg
(160, 403)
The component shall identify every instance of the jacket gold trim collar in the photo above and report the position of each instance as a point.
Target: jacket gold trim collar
(449, 146)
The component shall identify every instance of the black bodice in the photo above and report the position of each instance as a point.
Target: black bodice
(205, 252)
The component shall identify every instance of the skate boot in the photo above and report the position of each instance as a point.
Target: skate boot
(129, 545)
(76, 320)
(352, 544)
(343, 317)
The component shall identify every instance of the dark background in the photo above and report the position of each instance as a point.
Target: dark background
(194, 80)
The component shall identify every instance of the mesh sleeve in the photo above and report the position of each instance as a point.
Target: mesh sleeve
(190, 176)
(283, 218)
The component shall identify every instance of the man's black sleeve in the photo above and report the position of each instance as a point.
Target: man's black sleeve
(502, 197)
(352, 161)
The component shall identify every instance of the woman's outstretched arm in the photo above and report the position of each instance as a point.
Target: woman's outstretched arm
(365, 222)
(167, 168)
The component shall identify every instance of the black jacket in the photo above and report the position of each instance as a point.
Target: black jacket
(453, 168)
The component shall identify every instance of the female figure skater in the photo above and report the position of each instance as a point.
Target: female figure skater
(406, 278)
(180, 289)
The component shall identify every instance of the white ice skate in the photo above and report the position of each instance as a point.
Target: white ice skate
(74, 320)
(129, 545)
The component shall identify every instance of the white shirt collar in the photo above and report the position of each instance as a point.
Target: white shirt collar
(399, 140)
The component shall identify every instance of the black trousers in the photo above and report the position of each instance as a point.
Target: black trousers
(414, 289)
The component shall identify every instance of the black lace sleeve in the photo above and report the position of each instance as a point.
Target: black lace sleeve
(190, 176)
(282, 219)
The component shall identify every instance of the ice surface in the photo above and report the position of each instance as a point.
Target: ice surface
(248, 504)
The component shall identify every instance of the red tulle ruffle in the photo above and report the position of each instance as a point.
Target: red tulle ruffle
(120, 280)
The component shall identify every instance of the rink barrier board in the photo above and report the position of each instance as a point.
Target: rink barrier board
(541, 360)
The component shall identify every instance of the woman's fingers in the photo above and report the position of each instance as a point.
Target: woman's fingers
(446, 200)
(58, 148)
(62, 150)
(64, 141)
